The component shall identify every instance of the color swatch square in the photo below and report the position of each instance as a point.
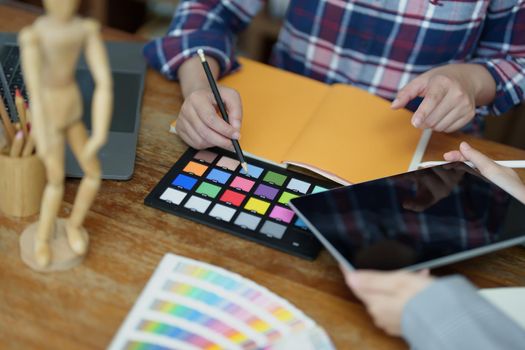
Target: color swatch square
(257, 205)
(195, 168)
(197, 204)
(242, 184)
(232, 197)
(222, 212)
(266, 191)
(219, 176)
(209, 190)
(247, 221)
(286, 197)
(298, 186)
(274, 178)
(173, 196)
(228, 163)
(282, 214)
(185, 182)
(253, 171)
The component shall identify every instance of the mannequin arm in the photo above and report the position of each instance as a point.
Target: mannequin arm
(31, 66)
(102, 104)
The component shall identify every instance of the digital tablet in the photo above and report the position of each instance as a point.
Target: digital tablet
(421, 219)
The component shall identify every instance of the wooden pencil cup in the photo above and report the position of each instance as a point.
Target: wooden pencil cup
(22, 182)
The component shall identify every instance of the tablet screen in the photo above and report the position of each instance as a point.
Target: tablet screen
(424, 218)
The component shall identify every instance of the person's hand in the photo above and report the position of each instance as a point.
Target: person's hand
(504, 177)
(200, 124)
(385, 294)
(450, 95)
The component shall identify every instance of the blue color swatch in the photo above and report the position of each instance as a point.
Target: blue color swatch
(253, 171)
(218, 176)
(184, 182)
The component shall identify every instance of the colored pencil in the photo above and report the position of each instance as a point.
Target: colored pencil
(8, 126)
(18, 143)
(3, 139)
(29, 147)
(220, 103)
(21, 109)
(28, 112)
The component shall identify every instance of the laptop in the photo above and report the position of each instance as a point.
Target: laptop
(128, 69)
(421, 219)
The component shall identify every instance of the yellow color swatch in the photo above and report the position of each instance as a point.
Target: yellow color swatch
(257, 205)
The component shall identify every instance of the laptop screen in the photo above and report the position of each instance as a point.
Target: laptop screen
(126, 90)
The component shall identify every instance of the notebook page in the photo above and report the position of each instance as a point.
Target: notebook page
(356, 136)
(276, 106)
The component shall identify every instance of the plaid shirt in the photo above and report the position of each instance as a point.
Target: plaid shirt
(377, 45)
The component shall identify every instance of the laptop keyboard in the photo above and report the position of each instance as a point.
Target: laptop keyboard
(12, 78)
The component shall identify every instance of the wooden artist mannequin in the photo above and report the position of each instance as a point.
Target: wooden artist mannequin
(50, 49)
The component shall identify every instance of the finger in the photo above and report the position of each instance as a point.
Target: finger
(412, 90)
(454, 156)
(207, 134)
(206, 112)
(458, 124)
(424, 272)
(451, 116)
(484, 164)
(233, 103)
(365, 281)
(190, 136)
(441, 114)
(433, 98)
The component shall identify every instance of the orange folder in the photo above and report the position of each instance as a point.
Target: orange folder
(339, 131)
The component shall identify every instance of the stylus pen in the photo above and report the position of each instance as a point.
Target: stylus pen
(516, 164)
(220, 103)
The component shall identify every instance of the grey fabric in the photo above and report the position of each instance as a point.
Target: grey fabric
(450, 314)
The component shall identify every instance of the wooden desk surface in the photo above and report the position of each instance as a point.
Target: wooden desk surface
(83, 308)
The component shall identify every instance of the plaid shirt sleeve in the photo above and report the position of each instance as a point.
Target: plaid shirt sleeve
(501, 49)
(208, 24)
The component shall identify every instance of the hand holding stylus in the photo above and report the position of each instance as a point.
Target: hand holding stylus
(199, 123)
(504, 177)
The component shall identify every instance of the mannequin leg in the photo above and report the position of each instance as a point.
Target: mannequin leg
(51, 200)
(88, 189)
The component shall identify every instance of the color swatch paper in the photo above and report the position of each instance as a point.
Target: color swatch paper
(189, 304)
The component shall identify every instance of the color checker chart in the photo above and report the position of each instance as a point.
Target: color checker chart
(189, 304)
(211, 187)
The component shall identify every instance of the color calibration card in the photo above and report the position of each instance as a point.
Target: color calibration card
(211, 187)
(188, 304)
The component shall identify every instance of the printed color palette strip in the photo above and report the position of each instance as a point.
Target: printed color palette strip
(211, 187)
(192, 304)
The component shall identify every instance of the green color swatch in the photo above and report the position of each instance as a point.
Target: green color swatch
(286, 197)
(208, 189)
(274, 178)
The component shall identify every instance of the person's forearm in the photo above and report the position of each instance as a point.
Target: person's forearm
(192, 76)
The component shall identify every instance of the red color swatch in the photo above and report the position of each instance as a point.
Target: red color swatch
(232, 197)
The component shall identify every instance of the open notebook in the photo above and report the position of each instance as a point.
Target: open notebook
(189, 304)
(339, 131)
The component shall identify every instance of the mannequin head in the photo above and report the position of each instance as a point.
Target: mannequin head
(63, 10)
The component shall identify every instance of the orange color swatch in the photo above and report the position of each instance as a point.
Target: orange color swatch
(195, 168)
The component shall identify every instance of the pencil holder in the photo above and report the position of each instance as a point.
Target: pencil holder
(22, 182)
